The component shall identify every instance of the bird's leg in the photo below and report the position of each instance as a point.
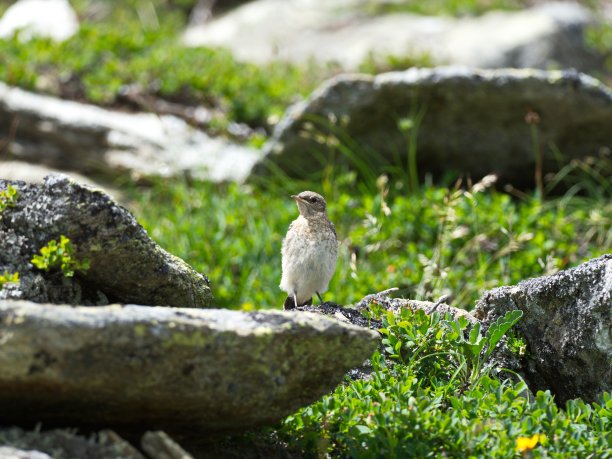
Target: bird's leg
(295, 298)
(320, 299)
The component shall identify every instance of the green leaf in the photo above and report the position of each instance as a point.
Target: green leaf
(499, 329)
(363, 429)
(8, 197)
(475, 337)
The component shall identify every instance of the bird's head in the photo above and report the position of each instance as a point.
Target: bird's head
(310, 204)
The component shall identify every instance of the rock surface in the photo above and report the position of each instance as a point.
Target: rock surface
(179, 370)
(86, 138)
(54, 19)
(158, 445)
(567, 324)
(343, 31)
(467, 121)
(68, 444)
(126, 265)
(8, 452)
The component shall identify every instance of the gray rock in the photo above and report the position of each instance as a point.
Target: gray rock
(567, 324)
(158, 445)
(472, 121)
(180, 370)
(86, 138)
(342, 31)
(126, 265)
(54, 19)
(8, 452)
(68, 444)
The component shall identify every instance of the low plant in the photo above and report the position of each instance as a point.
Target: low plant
(516, 344)
(60, 256)
(475, 349)
(8, 197)
(8, 278)
(415, 405)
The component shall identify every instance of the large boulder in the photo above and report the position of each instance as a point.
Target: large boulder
(347, 33)
(89, 139)
(182, 370)
(567, 319)
(469, 121)
(126, 265)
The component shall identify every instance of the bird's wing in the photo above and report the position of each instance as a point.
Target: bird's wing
(333, 228)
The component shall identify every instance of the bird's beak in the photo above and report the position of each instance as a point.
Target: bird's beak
(297, 198)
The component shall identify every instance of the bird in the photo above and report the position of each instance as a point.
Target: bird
(309, 251)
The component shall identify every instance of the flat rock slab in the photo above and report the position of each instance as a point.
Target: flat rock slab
(90, 139)
(567, 323)
(126, 264)
(467, 121)
(180, 370)
(347, 33)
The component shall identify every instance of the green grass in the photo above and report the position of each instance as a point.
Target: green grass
(435, 241)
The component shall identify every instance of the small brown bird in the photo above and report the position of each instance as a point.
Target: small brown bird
(310, 251)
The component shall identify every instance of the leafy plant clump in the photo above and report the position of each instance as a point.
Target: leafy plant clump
(423, 401)
(60, 256)
(8, 197)
(8, 278)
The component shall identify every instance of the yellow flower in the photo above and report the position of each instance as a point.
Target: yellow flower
(524, 444)
(248, 306)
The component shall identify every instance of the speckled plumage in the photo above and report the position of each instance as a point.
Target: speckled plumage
(310, 250)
